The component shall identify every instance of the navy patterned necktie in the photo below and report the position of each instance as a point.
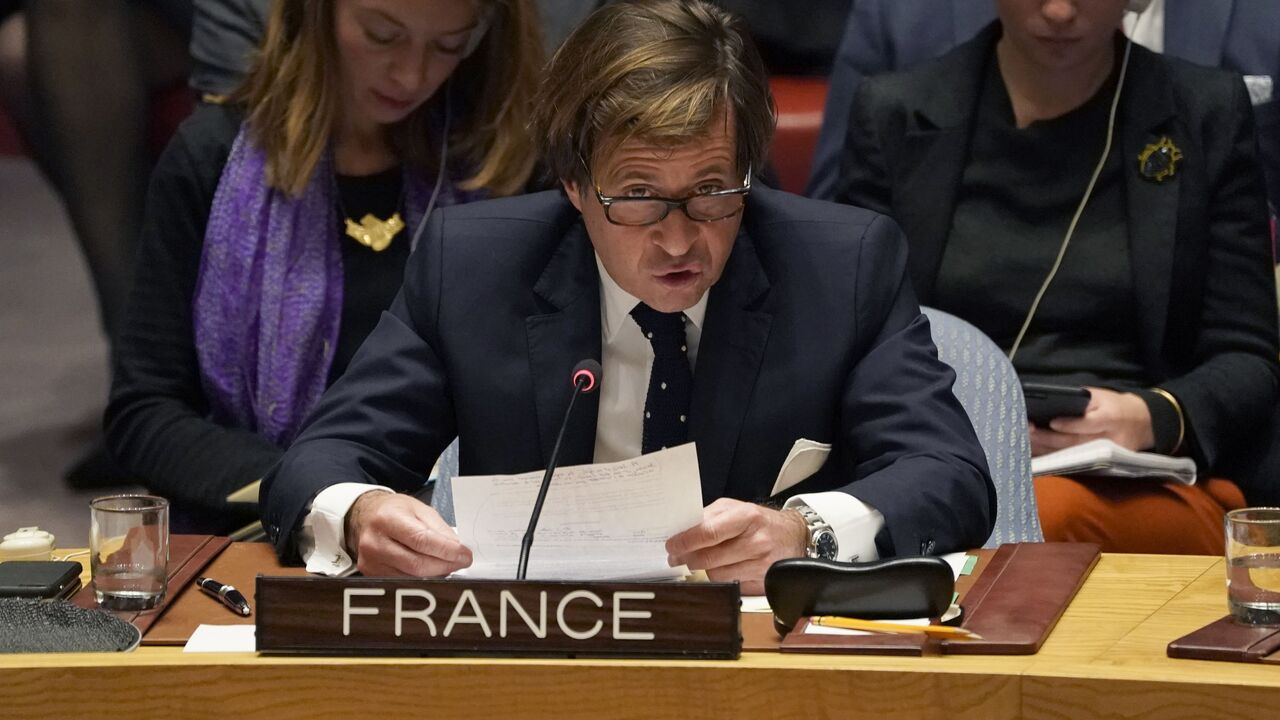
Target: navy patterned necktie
(666, 407)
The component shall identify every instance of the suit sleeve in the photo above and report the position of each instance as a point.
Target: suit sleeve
(918, 460)
(386, 420)
(1233, 386)
(862, 52)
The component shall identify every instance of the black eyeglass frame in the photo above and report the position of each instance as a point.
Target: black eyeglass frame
(608, 201)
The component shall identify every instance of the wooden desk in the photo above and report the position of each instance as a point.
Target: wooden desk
(1106, 658)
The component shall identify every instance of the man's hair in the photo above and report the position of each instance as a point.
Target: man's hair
(658, 71)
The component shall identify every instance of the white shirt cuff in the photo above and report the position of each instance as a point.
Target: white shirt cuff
(322, 539)
(854, 522)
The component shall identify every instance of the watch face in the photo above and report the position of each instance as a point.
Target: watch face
(825, 545)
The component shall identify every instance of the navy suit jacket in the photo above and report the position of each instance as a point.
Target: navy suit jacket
(886, 35)
(811, 332)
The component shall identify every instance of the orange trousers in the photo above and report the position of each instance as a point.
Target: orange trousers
(1137, 516)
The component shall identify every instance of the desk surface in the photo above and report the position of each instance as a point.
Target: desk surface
(1106, 658)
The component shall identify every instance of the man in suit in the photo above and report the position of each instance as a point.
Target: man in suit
(887, 35)
(1157, 292)
(740, 323)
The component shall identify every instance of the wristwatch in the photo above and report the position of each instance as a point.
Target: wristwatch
(822, 539)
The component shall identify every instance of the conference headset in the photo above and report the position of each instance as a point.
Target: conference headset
(1137, 7)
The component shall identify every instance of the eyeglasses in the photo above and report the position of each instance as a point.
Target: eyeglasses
(702, 207)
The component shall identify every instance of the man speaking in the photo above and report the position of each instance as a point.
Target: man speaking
(724, 313)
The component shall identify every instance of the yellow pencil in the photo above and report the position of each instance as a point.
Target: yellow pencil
(943, 631)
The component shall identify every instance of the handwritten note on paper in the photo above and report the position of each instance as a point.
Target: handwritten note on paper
(599, 522)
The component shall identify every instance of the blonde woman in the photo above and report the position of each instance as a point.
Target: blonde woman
(278, 225)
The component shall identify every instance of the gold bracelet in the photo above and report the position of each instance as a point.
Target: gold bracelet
(1182, 420)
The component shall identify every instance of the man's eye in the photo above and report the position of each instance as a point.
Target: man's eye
(638, 192)
(705, 188)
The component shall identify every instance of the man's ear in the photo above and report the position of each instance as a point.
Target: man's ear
(573, 190)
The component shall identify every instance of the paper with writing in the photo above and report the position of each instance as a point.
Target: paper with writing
(608, 521)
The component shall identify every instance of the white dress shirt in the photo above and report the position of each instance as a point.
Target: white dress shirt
(627, 359)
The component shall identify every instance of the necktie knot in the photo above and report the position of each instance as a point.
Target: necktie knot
(665, 331)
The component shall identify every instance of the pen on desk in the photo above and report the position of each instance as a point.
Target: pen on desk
(942, 631)
(226, 594)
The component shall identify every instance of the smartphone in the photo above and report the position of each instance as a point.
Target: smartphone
(1046, 402)
(39, 579)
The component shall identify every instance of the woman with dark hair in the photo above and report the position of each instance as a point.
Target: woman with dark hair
(1098, 210)
(278, 225)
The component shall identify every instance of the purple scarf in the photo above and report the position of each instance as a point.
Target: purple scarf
(268, 298)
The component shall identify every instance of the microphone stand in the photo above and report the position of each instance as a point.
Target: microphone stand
(579, 383)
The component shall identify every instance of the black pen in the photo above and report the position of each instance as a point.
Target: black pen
(227, 594)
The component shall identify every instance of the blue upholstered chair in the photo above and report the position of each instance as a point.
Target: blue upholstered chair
(442, 492)
(988, 388)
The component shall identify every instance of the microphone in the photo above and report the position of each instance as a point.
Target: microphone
(586, 379)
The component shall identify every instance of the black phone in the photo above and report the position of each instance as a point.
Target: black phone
(1046, 402)
(39, 579)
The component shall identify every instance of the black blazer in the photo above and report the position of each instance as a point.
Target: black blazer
(1200, 243)
(811, 332)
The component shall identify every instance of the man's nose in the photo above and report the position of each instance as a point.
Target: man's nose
(676, 233)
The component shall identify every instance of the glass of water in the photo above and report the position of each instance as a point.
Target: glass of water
(129, 550)
(1253, 565)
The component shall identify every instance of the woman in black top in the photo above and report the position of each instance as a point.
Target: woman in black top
(1164, 303)
(278, 226)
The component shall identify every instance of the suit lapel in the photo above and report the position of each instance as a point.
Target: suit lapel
(560, 338)
(1196, 30)
(934, 149)
(734, 335)
(1151, 208)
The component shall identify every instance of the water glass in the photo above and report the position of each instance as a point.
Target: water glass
(1253, 565)
(129, 551)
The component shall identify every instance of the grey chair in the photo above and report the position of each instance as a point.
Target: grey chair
(988, 388)
(442, 488)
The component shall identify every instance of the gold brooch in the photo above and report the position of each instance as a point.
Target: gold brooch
(373, 233)
(1159, 161)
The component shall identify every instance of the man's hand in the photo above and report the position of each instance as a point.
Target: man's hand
(739, 541)
(1122, 418)
(393, 534)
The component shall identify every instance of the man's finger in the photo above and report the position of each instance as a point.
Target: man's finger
(711, 531)
(750, 573)
(739, 549)
(415, 534)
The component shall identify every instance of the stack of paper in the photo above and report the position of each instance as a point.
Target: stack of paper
(599, 522)
(1105, 458)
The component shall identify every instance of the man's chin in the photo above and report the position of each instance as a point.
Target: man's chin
(674, 301)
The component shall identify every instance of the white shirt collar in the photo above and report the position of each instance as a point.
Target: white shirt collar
(618, 304)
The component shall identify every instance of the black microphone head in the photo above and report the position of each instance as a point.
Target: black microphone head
(586, 376)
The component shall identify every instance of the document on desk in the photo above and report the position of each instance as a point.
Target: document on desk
(599, 522)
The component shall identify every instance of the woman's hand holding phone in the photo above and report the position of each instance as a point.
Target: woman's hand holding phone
(1122, 418)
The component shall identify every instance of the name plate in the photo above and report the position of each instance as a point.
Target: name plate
(407, 616)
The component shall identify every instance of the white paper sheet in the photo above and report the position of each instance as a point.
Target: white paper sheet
(222, 638)
(599, 522)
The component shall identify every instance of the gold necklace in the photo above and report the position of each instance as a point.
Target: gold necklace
(373, 233)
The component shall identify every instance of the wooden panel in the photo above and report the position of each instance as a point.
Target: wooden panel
(448, 690)
(1094, 697)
